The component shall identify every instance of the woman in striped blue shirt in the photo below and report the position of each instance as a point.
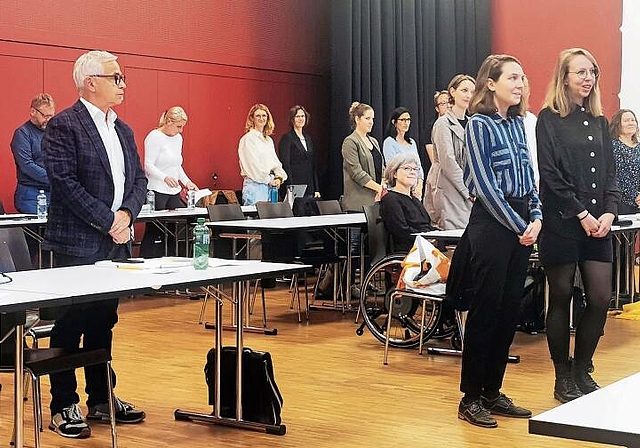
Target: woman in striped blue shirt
(504, 223)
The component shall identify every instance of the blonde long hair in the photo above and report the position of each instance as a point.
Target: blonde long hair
(558, 99)
(268, 128)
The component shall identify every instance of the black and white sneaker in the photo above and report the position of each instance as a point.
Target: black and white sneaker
(125, 412)
(70, 423)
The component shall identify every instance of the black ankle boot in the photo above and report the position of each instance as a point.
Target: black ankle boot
(565, 388)
(580, 374)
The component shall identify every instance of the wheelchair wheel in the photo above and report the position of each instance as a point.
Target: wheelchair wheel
(376, 292)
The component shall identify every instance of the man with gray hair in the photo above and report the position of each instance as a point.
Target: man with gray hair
(98, 187)
(25, 146)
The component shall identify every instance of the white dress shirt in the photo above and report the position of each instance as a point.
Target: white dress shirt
(106, 127)
(530, 121)
(162, 158)
(258, 158)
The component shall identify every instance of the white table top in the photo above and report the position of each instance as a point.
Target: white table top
(296, 222)
(178, 212)
(608, 415)
(441, 234)
(77, 284)
(18, 216)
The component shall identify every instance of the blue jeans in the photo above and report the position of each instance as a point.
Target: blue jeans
(253, 192)
(25, 198)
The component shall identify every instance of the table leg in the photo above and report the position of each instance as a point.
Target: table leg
(216, 418)
(617, 292)
(18, 418)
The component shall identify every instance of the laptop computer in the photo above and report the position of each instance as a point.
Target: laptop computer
(298, 190)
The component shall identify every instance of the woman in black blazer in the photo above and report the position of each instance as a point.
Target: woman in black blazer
(296, 153)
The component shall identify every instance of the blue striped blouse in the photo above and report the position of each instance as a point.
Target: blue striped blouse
(497, 166)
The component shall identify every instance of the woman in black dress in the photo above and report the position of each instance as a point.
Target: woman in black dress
(402, 212)
(580, 195)
(296, 153)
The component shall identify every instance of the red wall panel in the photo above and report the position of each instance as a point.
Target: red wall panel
(214, 58)
(536, 31)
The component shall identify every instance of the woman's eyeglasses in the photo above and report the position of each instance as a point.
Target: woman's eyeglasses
(409, 169)
(582, 74)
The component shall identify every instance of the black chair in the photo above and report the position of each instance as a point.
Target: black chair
(38, 362)
(268, 210)
(377, 238)
(282, 248)
(295, 247)
(332, 207)
(377, 235)
(38, 325)
(329, 207)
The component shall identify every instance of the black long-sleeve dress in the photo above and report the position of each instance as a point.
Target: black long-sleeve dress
(403, 215)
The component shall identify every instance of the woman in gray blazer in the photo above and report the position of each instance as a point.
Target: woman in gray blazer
(447, 199)
(362, 161)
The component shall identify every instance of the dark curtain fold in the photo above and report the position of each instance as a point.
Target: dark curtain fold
(391, 53)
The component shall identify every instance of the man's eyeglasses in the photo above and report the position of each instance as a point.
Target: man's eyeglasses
(443, 103)
(582, 74)
(46, 116)
(406, 120)
(409, 169)
(118, 78)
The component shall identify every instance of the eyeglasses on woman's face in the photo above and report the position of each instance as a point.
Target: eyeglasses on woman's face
(409, 169)
(584, 73)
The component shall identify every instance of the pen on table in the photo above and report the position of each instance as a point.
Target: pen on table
(129, 268)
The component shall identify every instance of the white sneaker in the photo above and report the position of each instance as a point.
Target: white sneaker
(70, 423)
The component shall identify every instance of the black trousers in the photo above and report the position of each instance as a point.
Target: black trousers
(93, 322)
(499, 266)
(153, 244)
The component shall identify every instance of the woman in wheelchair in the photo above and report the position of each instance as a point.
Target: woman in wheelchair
(403, 214)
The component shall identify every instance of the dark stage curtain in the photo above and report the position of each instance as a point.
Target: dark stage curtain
(391, 53)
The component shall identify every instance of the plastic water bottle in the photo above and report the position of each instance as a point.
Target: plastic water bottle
(42, 205)
(273, 194)
(289, 196)
(191, 199)
(201, 238)
(151, 200)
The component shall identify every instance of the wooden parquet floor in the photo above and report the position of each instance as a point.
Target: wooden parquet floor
(337, 393)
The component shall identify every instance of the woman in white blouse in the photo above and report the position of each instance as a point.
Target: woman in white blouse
(259, 164)
(163, 159)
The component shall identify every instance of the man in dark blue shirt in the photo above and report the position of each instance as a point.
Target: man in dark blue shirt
(28, 156)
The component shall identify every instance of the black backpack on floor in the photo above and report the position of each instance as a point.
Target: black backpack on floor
(532, 314)
(261, 399)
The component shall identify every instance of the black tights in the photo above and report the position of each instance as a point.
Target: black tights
(596, 277)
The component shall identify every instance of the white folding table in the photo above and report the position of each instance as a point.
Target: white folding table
(607, 415)
(340, 221)
(82, 284)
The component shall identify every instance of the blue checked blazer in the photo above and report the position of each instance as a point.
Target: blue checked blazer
(82, 190)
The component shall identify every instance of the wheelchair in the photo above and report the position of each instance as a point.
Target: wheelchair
(378, 289)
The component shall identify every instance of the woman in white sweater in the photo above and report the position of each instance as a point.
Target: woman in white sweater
(259, 164)
(163, 159)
